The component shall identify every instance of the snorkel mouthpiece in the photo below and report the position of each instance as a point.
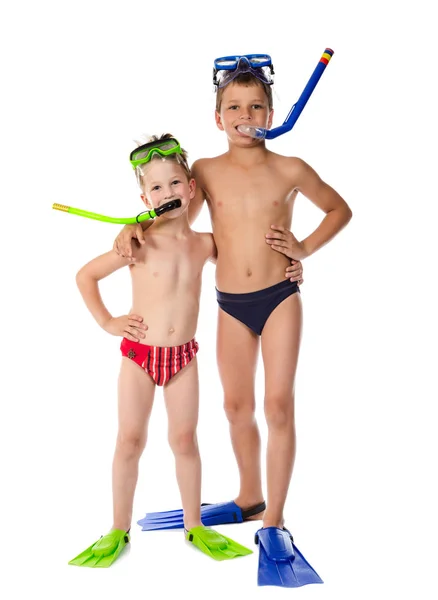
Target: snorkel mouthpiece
(167, 207)
(254, 132)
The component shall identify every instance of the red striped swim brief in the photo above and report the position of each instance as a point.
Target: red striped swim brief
(160, 363)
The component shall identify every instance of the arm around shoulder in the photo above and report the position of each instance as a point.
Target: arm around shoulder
(197, 202)
(123, 244)
(208, 247)
(212, 249)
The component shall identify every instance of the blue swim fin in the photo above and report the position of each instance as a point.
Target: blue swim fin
(211, 515)
(280, 561)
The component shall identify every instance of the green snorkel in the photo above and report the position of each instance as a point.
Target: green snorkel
(144, 216)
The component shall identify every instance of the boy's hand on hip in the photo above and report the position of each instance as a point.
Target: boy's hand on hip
(123, 242)
(295, 271)
(129, 326)
(282, 240)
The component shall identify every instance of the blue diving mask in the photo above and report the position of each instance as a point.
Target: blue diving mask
(228, 68)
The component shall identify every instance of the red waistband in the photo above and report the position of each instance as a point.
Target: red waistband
(146, 348)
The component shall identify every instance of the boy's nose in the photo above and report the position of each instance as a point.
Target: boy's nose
(245, 115)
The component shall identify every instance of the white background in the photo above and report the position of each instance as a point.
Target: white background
(81, 81)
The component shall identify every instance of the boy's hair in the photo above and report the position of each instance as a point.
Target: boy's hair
(246, 79)
(181, 159)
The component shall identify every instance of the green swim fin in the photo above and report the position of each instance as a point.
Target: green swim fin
(103, 552)
(214, 544)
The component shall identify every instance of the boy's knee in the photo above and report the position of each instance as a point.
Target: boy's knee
(183, 443)
(130, 444)
(279, 411)
(239, 411)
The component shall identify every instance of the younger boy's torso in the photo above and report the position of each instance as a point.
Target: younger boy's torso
(166, 285)
(244, 202)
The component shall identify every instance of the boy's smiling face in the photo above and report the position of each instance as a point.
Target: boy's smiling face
(164, 180)
(243, 105)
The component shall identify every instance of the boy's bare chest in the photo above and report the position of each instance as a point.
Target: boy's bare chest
(239, 192)
(172, 261)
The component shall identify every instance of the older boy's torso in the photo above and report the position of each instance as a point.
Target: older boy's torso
(244, 203)
(166, 286)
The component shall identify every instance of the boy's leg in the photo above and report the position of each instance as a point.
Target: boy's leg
(281, 338)
(181, 395)
(136, 396)
(237, 351)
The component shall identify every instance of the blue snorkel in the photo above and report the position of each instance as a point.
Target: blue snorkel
(297, 108)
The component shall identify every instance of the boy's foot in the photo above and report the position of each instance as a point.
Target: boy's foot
(191, 524)
(268, 522)
(103, 552)
(214, 544)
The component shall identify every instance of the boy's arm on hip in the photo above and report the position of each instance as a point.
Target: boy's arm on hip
(102, 266)
(310, 184)
(87, 280)
(337, 212)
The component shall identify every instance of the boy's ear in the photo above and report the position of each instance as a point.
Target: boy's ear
(270, 118)
(192, 188)
(218, 120)
(146, 201)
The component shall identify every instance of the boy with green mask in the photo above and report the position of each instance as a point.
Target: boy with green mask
(166, 287)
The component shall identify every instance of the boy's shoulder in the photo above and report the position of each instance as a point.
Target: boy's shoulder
(211, 160)
(204, 170)
(201, 164)
(289, 161)
(290, 166)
